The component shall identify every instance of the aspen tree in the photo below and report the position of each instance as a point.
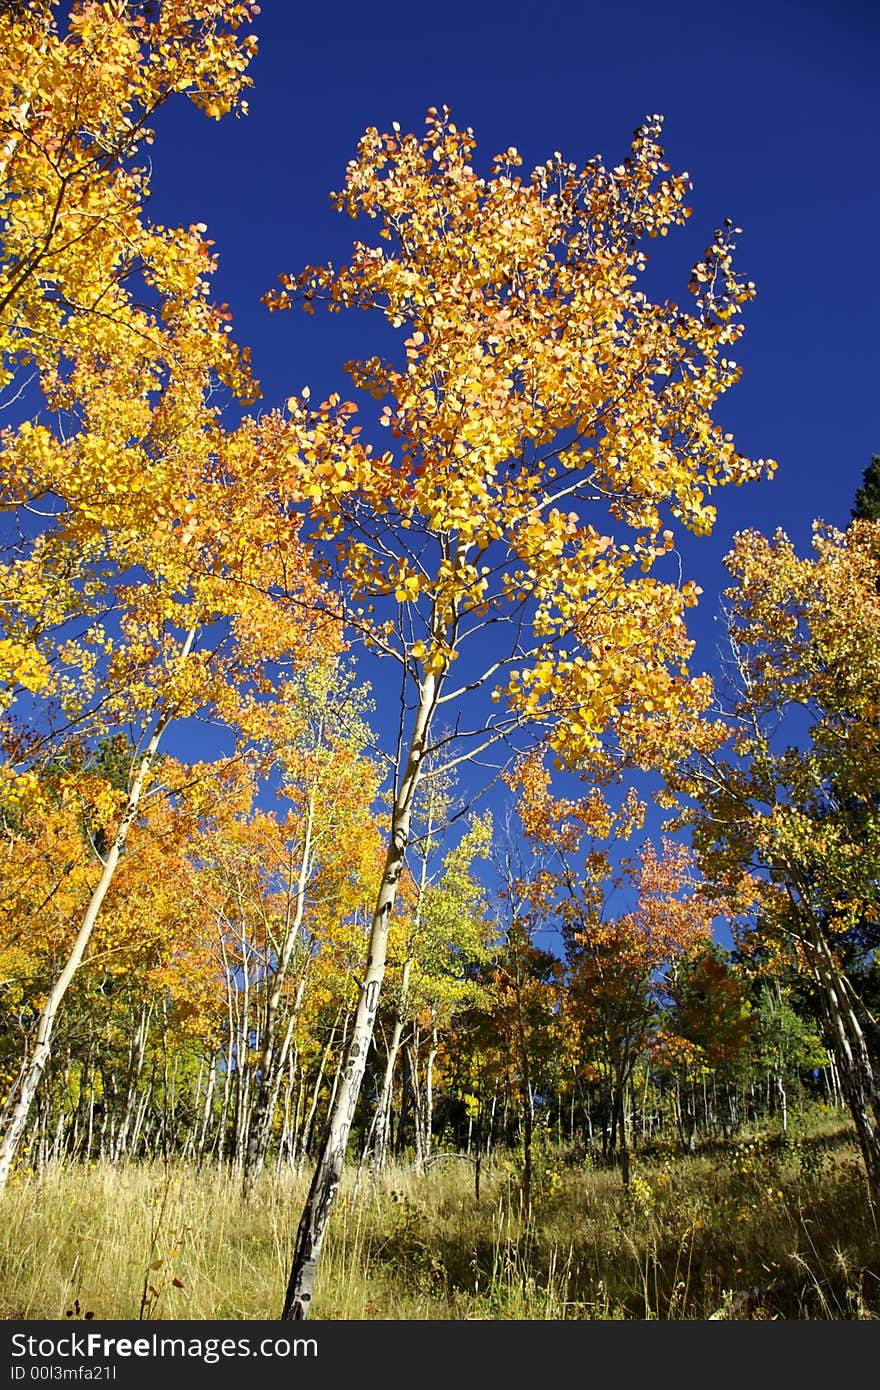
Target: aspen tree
(542, 399)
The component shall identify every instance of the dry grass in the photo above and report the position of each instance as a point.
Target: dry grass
(761, 1229)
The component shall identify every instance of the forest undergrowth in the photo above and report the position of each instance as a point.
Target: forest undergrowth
(766, 1226)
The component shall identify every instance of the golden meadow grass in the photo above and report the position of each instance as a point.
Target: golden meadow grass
(763, 1228)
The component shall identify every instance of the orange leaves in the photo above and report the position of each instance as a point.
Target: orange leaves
(562, 824)
(616, 962)
(673, 914)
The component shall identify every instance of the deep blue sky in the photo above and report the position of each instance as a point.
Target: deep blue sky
(771, 108)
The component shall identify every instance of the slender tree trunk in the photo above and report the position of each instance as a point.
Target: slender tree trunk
(523, 1066)
(289, 1123)
(478, 1162)
(84, 1103)
(242, 1048)
(525, 1088)
(189, 1145)
(620, 1144)
(280, 1066)
(58, 1137)
(853, 1062)
(220, 1139)
(687, 1123)
(782, 1096)
(376, 1147)
(269, 1065)
(139, 1121)
(328, 1173)
(418, 1109)
(91, 1129)
(378, 1138)
(528, 1128)
(338, 1072)
(308, 1123)
(43, 1042)
(836, 1086)
(429, 1091)
(206, 1110)
(137, 1052)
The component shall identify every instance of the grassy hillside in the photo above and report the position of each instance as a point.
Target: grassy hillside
(768, 1227)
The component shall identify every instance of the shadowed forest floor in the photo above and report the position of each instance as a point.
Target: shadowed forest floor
(769, 1226)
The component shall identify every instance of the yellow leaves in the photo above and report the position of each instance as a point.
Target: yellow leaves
(538, 393)
(22, 665)
(61, 198)
(215, 109)
(406, 584)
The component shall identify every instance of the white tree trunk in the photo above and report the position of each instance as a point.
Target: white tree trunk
(42, 1047)
(328, 1173)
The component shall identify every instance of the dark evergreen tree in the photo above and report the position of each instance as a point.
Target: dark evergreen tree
(867, 499)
